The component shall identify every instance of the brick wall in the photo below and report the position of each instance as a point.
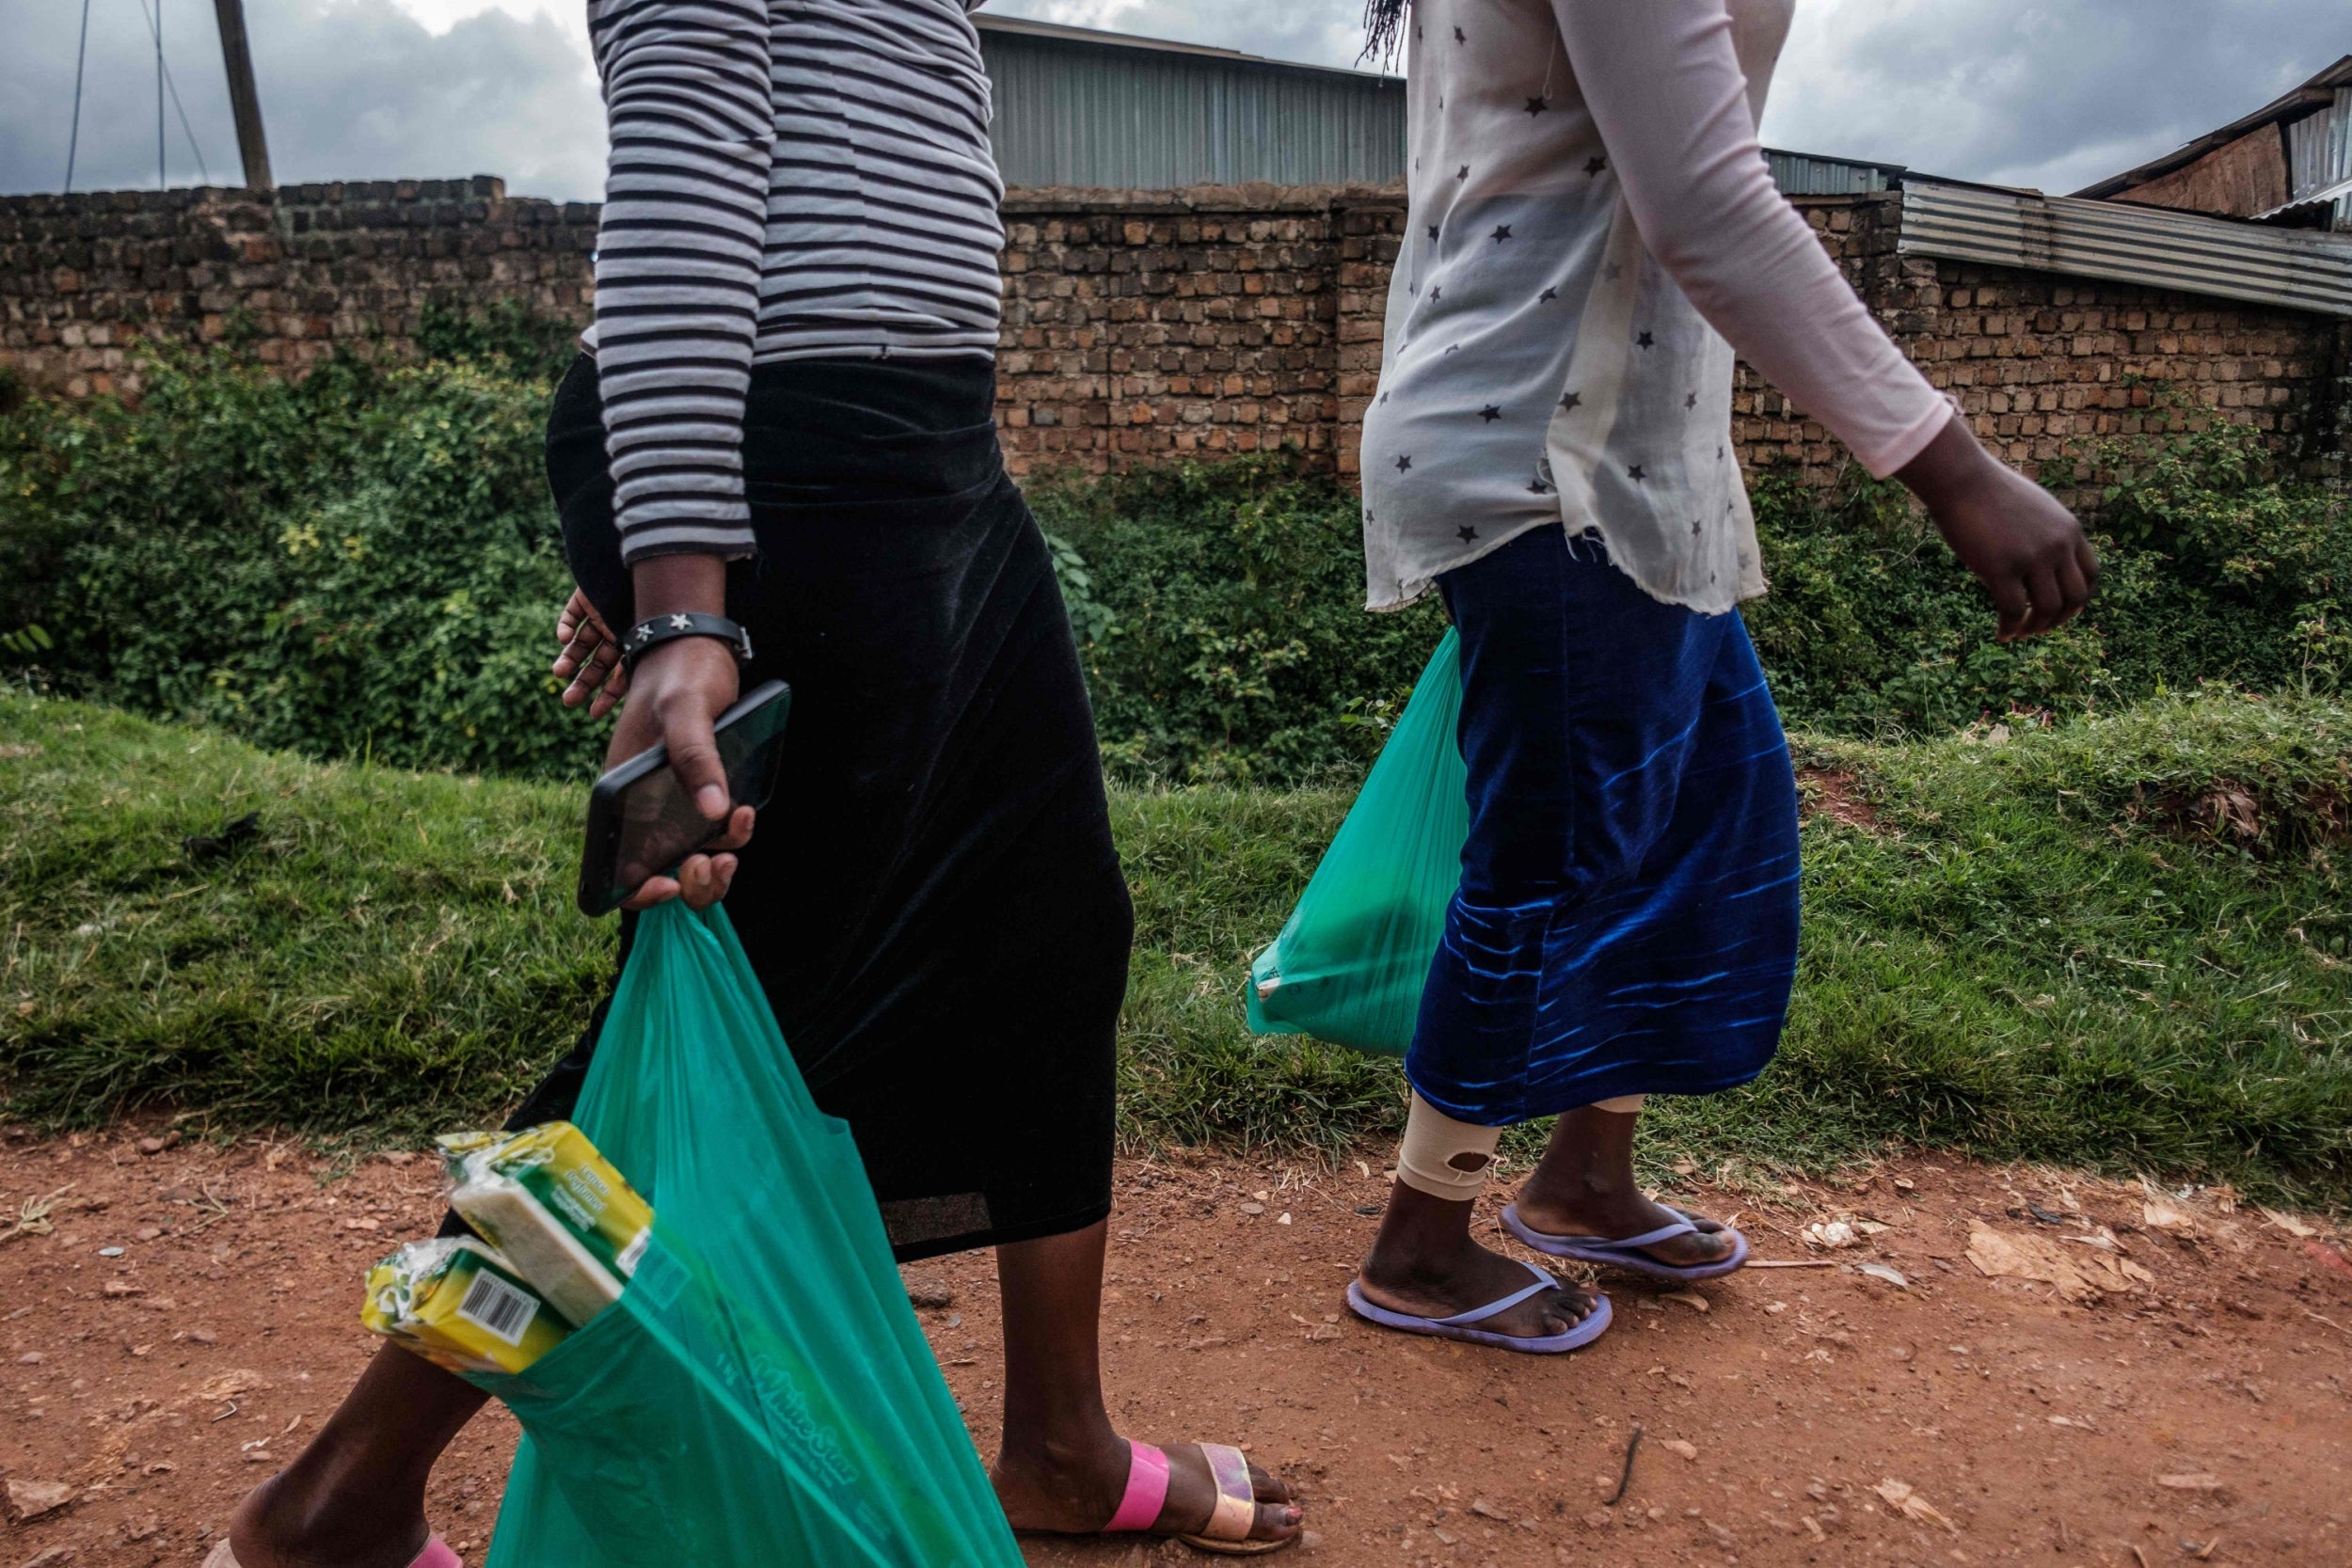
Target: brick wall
(1138, 326)
(1221, 319)
(2040, 361)
(316, 267)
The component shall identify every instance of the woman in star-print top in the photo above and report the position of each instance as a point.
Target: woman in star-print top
(1594, 234)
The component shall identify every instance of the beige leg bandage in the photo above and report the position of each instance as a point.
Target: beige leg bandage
(1624, 1104)
(1444, 1157)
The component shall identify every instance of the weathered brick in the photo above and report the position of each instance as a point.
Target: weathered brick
(1139, 325)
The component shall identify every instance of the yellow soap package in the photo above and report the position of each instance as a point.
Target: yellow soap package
(544, 1197)
(460, 1306)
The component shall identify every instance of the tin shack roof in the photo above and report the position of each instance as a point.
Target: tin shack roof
(2289, 161)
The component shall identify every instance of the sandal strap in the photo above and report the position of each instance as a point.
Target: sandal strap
(1480, 1314)
(1646, 1238)
(1237, 1513)
(436, 1553)
(1147, 1489)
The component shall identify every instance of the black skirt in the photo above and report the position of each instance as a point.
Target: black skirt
(933, 900)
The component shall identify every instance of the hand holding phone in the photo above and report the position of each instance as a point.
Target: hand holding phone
(651, 834)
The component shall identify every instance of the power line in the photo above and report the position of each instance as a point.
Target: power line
(154, 25)
(73, 137)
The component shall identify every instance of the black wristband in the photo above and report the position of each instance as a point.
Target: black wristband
(658, 629)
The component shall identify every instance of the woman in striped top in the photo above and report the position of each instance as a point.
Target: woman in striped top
(785, 415)
(814, 184)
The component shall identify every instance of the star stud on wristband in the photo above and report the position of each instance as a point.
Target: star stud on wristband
(653, 632)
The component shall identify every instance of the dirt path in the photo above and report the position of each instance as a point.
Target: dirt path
(2198, 1407)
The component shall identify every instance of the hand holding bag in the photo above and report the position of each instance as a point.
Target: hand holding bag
(761, 1393)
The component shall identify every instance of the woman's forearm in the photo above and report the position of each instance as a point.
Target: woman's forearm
(1666, 89)
(667, 584)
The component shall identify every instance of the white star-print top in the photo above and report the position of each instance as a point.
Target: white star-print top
(1591, 220)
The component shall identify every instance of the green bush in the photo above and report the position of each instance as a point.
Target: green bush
(1229, 640)
(2215, 566)
(502, 334)
(365, 563)
(361, 563)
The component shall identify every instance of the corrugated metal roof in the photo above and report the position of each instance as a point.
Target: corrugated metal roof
(988, 21)
(2298, 269)
(1078, 108)
(2319, 148)
(1804, 174)
(2314, 93)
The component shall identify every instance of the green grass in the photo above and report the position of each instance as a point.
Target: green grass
(2038, 950)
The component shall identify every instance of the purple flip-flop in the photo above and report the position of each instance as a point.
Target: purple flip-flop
(1458, 1326)
(1628, 1253)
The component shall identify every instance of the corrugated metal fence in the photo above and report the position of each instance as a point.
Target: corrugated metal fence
(1078, 114)
(1801, 174)
(2301, 269)
(2319, 157)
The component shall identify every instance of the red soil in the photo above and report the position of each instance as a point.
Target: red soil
(2203, 1414)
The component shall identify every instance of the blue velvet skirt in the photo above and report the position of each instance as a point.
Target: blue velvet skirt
(1627, 920)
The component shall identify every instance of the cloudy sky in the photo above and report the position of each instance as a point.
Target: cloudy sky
(2050, 93)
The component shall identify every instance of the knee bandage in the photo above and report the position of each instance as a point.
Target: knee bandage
(1444, 1157)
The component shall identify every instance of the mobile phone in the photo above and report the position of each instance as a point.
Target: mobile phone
(641, 823)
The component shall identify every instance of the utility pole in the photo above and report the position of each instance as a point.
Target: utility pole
(243, 102)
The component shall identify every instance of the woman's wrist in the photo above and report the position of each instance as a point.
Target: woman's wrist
(666, 584)
(1951, 465)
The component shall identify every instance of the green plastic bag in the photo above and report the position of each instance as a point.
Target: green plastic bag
(1351, 960)
(761, 1394)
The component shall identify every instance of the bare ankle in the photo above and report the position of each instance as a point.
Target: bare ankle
(302, 1515)
(1066, 1448)
(1585, 1190)
(1405, 1268)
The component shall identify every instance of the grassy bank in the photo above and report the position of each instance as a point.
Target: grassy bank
(2120, 942)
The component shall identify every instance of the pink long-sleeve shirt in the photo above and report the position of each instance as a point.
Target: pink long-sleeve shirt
(1593, 235)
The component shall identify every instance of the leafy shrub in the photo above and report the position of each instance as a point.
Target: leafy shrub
(2214, 568)
(361, 562)
(2223, 570)
(365, 563)
(502, 334)
(1236, 646)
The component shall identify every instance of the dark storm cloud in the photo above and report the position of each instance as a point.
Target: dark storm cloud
(355, 89)
(2051, 93)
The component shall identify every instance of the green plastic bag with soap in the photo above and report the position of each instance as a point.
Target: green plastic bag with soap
(1350, 962)
(757, 1392)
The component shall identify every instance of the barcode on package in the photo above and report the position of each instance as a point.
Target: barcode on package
(496, 1307)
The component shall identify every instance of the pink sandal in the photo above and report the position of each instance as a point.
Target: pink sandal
(1227, 1532)
(435, 1555)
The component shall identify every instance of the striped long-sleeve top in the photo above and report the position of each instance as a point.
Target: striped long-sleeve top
(788, 179)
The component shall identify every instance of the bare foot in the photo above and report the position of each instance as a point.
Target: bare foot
(1612, 1216)
(1452, 1279)
(1076, 1493)
(1583, 1186)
